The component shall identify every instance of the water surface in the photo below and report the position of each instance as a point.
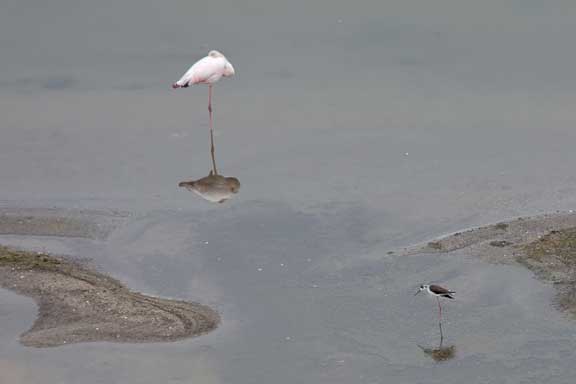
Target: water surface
(355, 128)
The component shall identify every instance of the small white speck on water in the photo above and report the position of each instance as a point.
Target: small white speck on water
(218, 259)
(282, 264)
(314, 285)
(406, 154)
(21, 276)
(97, 328)
(308, 260)
(206, 243)
(287, 338)
(570, 211)
(260, 269)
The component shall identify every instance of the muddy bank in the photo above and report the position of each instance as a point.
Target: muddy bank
(77, 304)
(544, 244)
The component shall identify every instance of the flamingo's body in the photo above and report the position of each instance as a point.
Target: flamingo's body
(207, 70)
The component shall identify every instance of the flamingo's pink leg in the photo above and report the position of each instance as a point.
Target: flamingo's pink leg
(211, 129)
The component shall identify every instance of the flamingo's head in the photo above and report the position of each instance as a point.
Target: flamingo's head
(215, 53)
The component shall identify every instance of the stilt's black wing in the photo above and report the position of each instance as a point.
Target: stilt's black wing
(441, 291)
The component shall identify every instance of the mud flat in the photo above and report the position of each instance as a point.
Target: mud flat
(544, 244)
(79, 304)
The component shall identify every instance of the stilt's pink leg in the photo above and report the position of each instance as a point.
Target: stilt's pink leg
(440, 320)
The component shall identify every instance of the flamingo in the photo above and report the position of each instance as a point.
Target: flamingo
(207, 70)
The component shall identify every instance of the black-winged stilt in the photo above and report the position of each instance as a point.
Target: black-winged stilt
(438, 292)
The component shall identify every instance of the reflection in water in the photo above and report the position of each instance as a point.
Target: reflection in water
(441, 353)
(214, 187)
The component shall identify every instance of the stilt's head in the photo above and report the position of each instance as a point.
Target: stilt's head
(423, 287)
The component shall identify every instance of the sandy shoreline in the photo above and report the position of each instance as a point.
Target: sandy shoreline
(78, 304)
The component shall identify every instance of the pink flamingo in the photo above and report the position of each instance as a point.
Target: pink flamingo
(207, 70)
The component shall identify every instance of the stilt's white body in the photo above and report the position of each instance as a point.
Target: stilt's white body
(436, 290)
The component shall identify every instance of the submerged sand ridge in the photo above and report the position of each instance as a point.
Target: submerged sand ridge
(544, 244)
(78, 304)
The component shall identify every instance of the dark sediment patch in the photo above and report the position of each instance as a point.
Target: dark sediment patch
(500, 243)
(544, 244)
(77, 304)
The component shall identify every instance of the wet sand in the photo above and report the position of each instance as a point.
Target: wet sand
(544, 244)
(78, 304)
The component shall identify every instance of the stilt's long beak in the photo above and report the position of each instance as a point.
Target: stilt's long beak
(417, 292)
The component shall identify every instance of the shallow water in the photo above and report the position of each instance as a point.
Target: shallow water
(355, 129)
